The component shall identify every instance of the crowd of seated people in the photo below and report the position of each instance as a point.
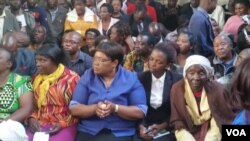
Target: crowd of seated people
(123, 70)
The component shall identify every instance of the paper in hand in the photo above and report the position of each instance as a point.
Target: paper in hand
(41, 136)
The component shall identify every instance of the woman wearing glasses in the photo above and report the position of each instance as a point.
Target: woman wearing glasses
(108, 99)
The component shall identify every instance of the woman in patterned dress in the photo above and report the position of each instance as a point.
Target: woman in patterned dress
(53, 88)
(15, 90)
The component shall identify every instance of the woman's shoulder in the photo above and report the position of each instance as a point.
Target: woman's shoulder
(18, 78)
(69, 74)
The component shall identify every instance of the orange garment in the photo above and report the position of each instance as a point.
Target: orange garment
(55, 108)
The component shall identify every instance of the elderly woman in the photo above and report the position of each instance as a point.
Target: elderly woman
(198, 107)
(108, 99)
(53, 88)
(15, 90)
(240, 89)
(157, 83)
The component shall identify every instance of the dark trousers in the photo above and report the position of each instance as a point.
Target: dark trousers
(104, 135)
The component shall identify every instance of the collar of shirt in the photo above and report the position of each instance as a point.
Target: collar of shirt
(53, 11)
(3, 14)
(161, 79)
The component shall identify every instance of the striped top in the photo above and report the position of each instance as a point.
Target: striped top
(56, 109)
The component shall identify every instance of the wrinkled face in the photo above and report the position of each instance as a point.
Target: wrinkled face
(80, 7)
(52, 3)
(71, 43)
(44, 64)
(157, 62)
(116, 5)
(114, 35)
(4, 61)
(104, 13)
(222, 48)
(240, 9)
(102, 64)
(184, 43)
(196, 76)
(38, 34)
(15, 4)
(212, 6)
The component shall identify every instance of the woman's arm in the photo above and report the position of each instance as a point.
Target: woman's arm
(130, 112)
(83, 111)
(26, 107)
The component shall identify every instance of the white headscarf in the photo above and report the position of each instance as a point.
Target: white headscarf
(12, 131)
(198, 60)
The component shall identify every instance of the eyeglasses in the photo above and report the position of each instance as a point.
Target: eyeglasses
(100, 60)
(70, 41)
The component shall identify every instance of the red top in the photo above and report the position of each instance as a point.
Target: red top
(150, 11)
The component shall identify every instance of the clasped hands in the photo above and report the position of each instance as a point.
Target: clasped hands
(104, 108)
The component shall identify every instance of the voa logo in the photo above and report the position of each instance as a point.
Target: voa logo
(236, 132)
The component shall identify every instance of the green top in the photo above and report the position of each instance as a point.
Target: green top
(11, 91)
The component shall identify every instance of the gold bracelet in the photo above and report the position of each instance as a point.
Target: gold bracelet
(116, 108)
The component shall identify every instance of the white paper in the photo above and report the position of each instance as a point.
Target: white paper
(21, 19)
(164, 133)
(41, 136)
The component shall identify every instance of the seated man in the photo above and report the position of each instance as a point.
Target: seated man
(225, 58)
(79, 61)
(17, 43)
(137, 60)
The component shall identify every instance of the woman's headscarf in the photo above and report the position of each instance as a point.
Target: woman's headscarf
(198, 60)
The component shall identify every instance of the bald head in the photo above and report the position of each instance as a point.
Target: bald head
(22, 38)
(9, 41)
(76, 35)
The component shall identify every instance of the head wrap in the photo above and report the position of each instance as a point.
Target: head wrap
(198, 60)
(12, 131)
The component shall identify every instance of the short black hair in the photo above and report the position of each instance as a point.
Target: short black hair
(52, 51)
(168, 48)
(92, 30)
(108, 6)
(112, 50)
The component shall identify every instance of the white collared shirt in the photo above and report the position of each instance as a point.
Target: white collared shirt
(2, 24)
(157, 91)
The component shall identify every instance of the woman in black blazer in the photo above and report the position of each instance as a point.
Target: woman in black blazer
(157, 83)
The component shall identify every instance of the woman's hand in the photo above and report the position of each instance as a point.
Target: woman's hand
(55, 129)
(144, 134)
(156, 129)
(104, 109)
(34, 125)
